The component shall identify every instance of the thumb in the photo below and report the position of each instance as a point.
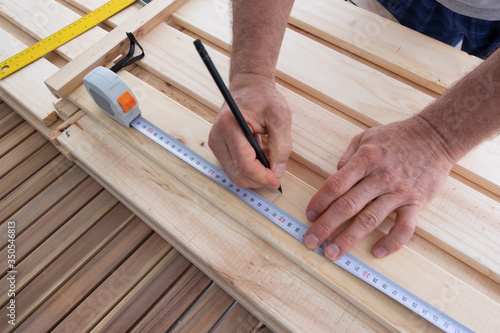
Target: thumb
(280, 147)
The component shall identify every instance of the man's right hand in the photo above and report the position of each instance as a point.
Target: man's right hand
(266, 113)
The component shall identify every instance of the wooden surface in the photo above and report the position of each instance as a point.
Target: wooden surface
(451, 261)
(86, 262)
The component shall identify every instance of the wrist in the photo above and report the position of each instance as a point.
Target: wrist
(241, 80)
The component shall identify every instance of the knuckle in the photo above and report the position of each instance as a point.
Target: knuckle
(335, 186)
(368, 220)
(346, 240)
(322, 228)
(346, 206)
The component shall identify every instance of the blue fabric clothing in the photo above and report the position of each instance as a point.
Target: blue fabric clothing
(480, 37)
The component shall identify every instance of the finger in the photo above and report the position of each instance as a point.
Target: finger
(350, 151)
(362, 224)
(401, 232)
(247, 170)
(279, 145)
(341, 210)
(336, 186)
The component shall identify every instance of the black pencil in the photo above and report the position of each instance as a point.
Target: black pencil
(232, 105)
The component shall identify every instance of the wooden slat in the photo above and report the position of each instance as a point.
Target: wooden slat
(46, 225)
(15, 137)
(206, 312)
(62, 83)
(454, 203)
(237, 320)
(17, 155)
(26, 169)
(89, 312)
(5, 110)
(415, 56)
(163, 316)
(27, 213)
(38, 101)
(244, 215)
(138, 301)
(43, 255)
(356, 89)
(69, 262)
(55, 18)
(204, 248)
(312, 127)
(86, 279)
(10, 121)
(31, 188)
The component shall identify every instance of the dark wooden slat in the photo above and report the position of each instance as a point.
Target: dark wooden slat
(175, 302)
(9, 122)
(96, 305)
(86, 279)
(15, 137)
(206, 312)
(140, 299)
(24, 150)
(44, 227)
(71, 261)
(238, 320)
(27, 168)
(4, 110)
(27, 212)
(39, 259)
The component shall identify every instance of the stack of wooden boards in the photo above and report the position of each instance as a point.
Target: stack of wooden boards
(341, 70)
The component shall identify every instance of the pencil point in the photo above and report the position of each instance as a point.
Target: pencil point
(279, 189)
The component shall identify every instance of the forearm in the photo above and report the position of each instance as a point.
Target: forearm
(258, 29)
(469, 112)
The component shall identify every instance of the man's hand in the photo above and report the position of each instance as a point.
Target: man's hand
(396, 167)
(266, 112)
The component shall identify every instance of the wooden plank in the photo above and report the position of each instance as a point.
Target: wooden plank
(44, 227)
(86, 279)
(9, 122)
(388, 44)
(28, 190)
(358, 90)
(73, 259)
(435, 225)
(169, 309)
(206, 312)
(48, 19)
(27, 212)
(309, 130)
(425, 285)
(38, 101)
(215, 228)
(15, 137)
(137, 302)
(5, 110)
(26, 169)
(65, 108)
(90, 311)
(55, 245)
(237, 320)
(21, 152)
(62, 83)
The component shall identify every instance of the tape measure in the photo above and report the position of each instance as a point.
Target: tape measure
(62, 36)
(275, 214)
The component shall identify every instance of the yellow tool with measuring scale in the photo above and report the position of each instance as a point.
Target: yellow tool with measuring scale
(63, 36)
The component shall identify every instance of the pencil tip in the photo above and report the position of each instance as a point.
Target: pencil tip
(279, 189)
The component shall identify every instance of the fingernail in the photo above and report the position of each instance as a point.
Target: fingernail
(279, 171)
(379, 252)
(311, 216)
(311, 241)
(332, 251)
